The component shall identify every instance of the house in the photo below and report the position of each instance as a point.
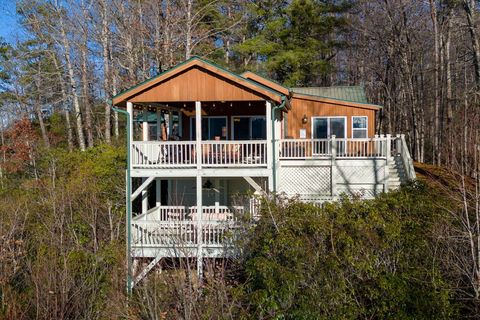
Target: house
(209, 140)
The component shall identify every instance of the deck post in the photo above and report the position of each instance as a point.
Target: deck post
(333, 171)
(268, 118)
(158, 181)
(130, 126)
(129, 190)
(198, 138)
(145, 136)
(388, 148)
(398, 147)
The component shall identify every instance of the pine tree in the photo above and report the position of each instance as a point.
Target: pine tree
(295, 41)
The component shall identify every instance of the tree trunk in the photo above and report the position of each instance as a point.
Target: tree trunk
(449, 97)
(113, 87)
(115, 114)
(469, 7)
(43, 129)
(106, 71)
(188, 31)
(436, 131)
(38, 111)
(68, 124)
(84, 76)
(85, 94)
(71, 78)
(167, 47)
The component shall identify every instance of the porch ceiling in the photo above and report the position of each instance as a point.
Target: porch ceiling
(197, 80)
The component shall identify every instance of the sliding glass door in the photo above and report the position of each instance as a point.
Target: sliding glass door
(325, 128)
(249, 128)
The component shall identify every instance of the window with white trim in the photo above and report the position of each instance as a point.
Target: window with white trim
(359, 127)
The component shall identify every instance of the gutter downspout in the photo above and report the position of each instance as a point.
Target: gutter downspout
(274, 169)
(128, 204)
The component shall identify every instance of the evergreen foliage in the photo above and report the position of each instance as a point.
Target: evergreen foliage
(295, 40)
(349, 260)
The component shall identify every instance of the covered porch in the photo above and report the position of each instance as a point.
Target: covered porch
(207, 134)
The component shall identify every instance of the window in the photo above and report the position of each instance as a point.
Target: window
(249, 128)
(359, 127)
(325, 127)
(211, 127)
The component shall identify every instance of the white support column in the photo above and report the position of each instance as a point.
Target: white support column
(130, 132)
(130, 112)
(398, 146)
(198, 139)
(278, 132)
(128, 203)
(145, 136)
(199, 227)
(198, 132)
(145, 127)
(388, 148)
(268, 118)
(158, 181)
(334, 169)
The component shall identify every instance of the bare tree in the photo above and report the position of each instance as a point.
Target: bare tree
(66, 48)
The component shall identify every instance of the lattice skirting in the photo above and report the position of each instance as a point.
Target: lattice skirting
(366, 173)
(303, 180)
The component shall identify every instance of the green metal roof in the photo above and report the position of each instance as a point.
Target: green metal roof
(346, 93)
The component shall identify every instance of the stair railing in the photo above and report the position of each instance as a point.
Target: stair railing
(407, 159)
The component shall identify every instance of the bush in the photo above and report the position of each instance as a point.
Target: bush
(351, 259)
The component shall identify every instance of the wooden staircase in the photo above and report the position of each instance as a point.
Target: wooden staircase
(396, 171)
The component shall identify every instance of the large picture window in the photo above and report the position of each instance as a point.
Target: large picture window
(212, 127)
(359, 127)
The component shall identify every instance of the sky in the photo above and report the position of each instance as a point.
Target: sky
(9, 28)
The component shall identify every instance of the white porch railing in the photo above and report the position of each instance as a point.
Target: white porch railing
(253, 153)
(180, 233)
(304, 148)
(183, 213)
(322, 148)
(234, 153)
(162, 154)
(169, 226)
(362, 148)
